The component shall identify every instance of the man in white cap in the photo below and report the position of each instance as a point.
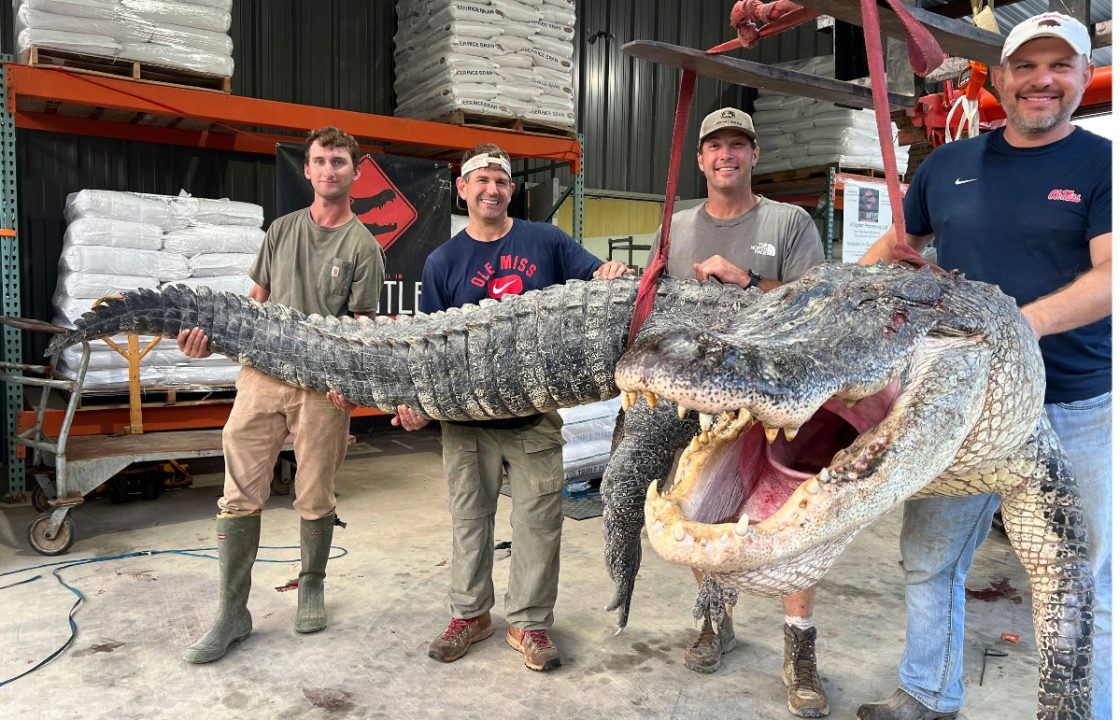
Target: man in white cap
(495, 256)
(1028, 208)
(751, 241)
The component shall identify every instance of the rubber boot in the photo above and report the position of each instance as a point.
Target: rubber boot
(314, 547)
(238, 538)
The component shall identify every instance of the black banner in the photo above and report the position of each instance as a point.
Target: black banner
(405, 203)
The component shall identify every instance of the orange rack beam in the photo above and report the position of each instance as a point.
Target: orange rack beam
(58, 100)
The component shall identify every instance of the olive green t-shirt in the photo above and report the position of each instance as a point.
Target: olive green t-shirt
(325, 271)
(775, 240)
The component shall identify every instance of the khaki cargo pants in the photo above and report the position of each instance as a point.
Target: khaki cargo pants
(473, 459)
(264, 413)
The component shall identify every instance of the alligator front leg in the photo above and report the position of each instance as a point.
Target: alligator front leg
(649, 441)
(1043, 518)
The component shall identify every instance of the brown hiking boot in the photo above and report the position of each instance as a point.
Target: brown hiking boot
(537, 647)
(901, 706)
(460, 634)
(799, 673)
(704, 654)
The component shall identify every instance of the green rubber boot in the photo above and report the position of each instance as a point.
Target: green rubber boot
(314, 547)
(238, 538)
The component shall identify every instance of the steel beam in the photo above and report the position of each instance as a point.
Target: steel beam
(9, 276)
(757, 75)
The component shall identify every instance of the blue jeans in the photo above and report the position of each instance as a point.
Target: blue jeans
(939, 539)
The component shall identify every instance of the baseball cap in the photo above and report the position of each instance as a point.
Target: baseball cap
(728, 118)
(1050, 24)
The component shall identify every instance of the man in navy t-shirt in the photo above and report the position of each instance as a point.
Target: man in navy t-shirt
(1028, 208)
(497, 255)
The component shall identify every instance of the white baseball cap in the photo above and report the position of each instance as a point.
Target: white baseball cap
(1050, 24)
(728, 117)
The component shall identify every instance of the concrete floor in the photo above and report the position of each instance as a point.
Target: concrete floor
(386, 600)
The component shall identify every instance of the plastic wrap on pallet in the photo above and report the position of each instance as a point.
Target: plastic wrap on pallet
(153, 263)
(214, 239)
(138, 207)
(180, 58)
(117, 28)
(209, 211)
(110, 232)
(67, 41)
(168, 376)
(588, 431)
(94, 285)
(95, 9)
(103, 357)
(218, 264)
(180, 13)
(239, 284)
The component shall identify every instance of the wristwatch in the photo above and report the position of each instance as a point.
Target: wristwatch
(755, 279)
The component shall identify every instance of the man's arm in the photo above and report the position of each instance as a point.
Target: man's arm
(883, 248)
(722, 269)
(611, 270)
(194, 343)
(1085, 300)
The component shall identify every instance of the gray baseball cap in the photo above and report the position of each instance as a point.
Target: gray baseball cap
(728, 117)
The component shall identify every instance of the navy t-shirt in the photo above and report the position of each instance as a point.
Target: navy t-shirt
(1022, 219)
(531, 256)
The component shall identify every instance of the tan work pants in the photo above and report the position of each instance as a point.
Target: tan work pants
(264, 412)
(473, 459)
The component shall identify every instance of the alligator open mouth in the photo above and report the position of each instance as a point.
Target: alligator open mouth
(741, 483)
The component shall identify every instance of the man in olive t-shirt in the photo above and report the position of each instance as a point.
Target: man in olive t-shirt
(745, 239)
(317, 260)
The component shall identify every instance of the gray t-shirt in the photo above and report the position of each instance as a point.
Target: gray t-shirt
(775, 240)
(313, 269)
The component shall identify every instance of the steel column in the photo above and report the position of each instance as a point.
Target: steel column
(577, 197)
(9, 276)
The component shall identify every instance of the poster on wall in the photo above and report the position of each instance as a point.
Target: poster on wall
(867, 215)
(405, 203)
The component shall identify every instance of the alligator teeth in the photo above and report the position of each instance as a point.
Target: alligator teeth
(678, 532)
(771, 434)
(725, 538)
(651, 400)
(851, 403)
(705, 437)
(813, 487)
(705, 422)
(824, 475)
(695, 444)
(682, 411)
(626, 401)
(743, 526)
(745, 416)
(790, 433)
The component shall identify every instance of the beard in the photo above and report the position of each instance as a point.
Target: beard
(1040, 124)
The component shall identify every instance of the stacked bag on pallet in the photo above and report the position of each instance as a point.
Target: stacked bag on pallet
(588, 431)
(117, 241)
(797, 132)
(504, 59)
(181, 34)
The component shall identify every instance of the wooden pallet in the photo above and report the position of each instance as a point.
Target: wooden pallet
(469, 119)
(800, 179)
(156, 396)
(120, 68)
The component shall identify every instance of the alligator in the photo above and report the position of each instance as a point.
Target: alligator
(945, 376)
(831, 400)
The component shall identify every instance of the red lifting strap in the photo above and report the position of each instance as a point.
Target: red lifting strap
(647, 289)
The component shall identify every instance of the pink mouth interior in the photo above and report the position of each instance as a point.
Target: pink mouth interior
(769, 473)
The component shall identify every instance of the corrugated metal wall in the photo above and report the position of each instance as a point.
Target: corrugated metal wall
(338, 53)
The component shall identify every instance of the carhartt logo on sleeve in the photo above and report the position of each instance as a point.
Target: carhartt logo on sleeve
(1064, 196)
(334, 271)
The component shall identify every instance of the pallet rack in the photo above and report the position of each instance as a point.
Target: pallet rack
(65, 101)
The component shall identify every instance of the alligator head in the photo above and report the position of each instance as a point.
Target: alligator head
(831, 400)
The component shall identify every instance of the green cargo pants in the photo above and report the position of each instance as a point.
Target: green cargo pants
(473, 459)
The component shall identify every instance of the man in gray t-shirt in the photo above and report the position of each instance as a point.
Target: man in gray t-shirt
(742, 238)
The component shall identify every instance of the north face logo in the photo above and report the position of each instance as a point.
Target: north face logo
(1064, 196)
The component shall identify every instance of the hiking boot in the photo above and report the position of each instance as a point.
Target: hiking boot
(314, 547)
(799, 673)
(460, 634)
(537, 647)
(704, 654)
(238, 538)
(901, 706)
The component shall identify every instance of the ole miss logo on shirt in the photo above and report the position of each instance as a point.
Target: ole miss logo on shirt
(506, 278)
(1064, 195)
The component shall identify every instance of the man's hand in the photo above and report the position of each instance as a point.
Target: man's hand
(340, 402)
(194, 343)
(408, 419)
(720, 268)
(611, 270)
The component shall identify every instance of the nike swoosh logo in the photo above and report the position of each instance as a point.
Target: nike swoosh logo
(498, 289)
(958, 181)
